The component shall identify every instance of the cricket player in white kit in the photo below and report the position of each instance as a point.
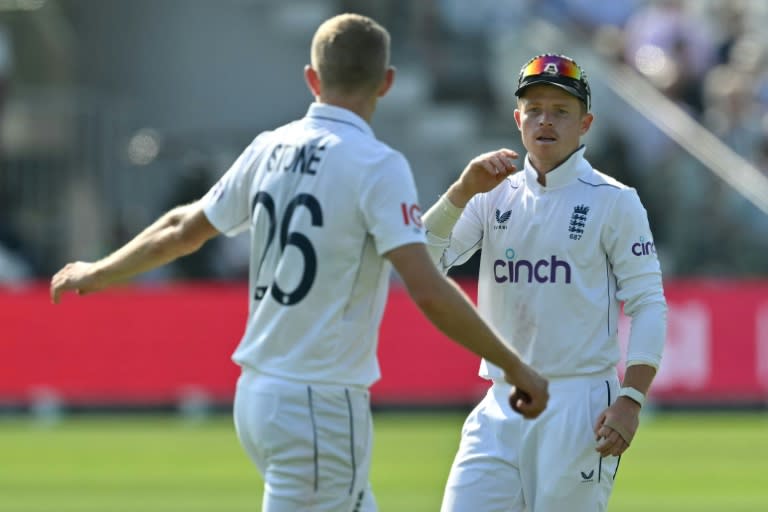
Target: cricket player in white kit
(562, 246)
(328, 207)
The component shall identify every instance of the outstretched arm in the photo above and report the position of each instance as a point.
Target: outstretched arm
(179, 232)
(448, 308)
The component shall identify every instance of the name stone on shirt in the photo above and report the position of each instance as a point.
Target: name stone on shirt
(304, 159)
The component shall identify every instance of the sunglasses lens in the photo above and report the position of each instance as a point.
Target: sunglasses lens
(558, 70)
(552, 65)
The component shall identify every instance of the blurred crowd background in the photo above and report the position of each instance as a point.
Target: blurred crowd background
(112, 111)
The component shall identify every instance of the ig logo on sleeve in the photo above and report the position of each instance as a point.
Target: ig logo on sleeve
(411, 214)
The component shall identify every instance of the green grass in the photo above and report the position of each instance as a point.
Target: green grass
(702, 463)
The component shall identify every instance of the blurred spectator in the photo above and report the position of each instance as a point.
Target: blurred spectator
(730, 24)
(732, 112)
(673, 47)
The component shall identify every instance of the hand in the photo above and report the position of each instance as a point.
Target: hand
(616, 427)
(530, 392)
(79, 277)
(518, 395)
(483, 173)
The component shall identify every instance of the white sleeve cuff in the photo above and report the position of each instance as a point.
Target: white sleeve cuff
(440, 219)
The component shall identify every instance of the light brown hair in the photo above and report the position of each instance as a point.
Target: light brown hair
(350, 53)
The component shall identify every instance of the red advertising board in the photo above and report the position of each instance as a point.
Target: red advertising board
(717, 343)
(157, 344)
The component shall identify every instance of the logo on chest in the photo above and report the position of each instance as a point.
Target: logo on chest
(578, 222)
(513, 269)
(501, 219)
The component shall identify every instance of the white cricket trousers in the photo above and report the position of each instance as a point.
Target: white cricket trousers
(506, 463)
(311, 442)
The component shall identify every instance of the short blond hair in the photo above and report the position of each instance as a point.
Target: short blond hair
(350, 53)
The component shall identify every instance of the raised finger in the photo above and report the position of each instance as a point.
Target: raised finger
(508, 153)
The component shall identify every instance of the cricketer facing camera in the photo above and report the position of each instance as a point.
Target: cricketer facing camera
(563, 245)
(324, 201)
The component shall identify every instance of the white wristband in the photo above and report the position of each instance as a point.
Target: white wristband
(441, 217)
(633, 394)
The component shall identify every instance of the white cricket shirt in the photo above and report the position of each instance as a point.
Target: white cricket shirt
(324, 200)
(556, 263)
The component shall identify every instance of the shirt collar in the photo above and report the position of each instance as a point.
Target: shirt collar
(326, 112)
(574, 167)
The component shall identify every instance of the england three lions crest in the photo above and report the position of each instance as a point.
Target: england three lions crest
(578, 222)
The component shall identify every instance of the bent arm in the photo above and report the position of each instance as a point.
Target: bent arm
(178, 232)
(482, 174)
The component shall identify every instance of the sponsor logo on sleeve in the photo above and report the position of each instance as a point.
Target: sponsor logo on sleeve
(411, 214)
(643, 247)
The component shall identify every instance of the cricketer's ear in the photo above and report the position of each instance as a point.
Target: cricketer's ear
(389, 78)
(312, 79)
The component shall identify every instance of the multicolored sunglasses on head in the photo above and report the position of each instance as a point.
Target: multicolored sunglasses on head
(557, 65)
(557, 70)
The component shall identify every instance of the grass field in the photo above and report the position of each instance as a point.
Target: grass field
(702, 463)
